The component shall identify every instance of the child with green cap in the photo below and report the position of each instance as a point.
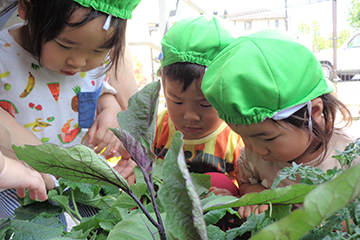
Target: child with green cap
(280, 104)
(54, 69)
(209, 144)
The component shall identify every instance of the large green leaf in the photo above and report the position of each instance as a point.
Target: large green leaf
(319, 204)
(288, 195)
(30, 211)
(184, 218)
(141, 123)
(136, 227)
(40, 228)
(78, 163)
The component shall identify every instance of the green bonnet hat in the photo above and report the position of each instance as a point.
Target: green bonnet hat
(263, 75)
(118, 8)
(195, 40)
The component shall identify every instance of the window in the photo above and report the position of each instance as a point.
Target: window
(247, 25)
(355, 42)
(277, 23)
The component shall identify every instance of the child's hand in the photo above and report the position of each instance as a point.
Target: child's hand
(220, 191)
(14, 174)
(246, 211)
(101, 136)
(125, 167)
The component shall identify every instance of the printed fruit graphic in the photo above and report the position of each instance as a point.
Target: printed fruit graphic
(37, 124)
(38, 107)
(75, 99)
(82, 74)
(54, 89)
(45, 139)
(69, 135)
(7, 86)
(50, 119)
(9, 107)
(29, 87)
(66, 126)
(35, 66)
(4, 75)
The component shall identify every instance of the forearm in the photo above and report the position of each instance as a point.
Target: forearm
(122, 78)
(108, 102)
(12, 132)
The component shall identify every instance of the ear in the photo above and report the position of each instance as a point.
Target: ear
(317, 107)
(22, 9)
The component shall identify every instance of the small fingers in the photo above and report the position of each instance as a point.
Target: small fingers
(20, 193)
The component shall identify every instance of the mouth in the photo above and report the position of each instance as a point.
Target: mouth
(192, 129)
(67, 73)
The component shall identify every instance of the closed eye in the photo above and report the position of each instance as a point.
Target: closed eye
(99, 51)
(178, 103)
(270, 139)
(204, 105)
(62, 46)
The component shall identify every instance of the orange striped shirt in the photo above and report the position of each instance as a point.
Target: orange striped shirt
(216, 152)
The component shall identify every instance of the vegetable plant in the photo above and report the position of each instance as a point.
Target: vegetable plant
(168, 202)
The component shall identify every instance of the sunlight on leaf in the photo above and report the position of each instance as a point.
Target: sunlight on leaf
(78, 163)
(288, 195)
(319, 204)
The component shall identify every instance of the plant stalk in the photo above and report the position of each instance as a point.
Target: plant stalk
(156, 224)
(148, 182)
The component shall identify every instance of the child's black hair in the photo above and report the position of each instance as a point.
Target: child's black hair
(48, 18)
(184, 73)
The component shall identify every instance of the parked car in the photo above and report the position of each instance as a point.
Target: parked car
(347, 63)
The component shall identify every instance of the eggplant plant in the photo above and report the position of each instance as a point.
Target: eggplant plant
(168, 202)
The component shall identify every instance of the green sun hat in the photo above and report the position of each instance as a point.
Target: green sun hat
(263, 75)
(195, 40)
(118, 8)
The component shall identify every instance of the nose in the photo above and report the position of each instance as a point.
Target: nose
(191, 114)
(76, 61)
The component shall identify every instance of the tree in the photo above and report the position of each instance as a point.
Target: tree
(354, 14)
(342, 37)
(304, 28)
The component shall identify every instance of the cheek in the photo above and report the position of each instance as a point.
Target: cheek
(210, 115)
(291, 148)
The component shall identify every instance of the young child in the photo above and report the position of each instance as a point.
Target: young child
(53, 68)
(209, 144)
(271, 90)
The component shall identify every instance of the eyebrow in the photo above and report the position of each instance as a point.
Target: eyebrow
(68, 41)
(65, 40)
(260, 134)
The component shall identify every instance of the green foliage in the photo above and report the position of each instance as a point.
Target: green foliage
(303, 28)
(165, 190)
(321, 43)
(354, 14)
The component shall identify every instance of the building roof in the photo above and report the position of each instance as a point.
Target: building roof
(255, 14)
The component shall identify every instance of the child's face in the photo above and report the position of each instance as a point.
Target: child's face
(77, 49)
(190, 112)
(278, 142)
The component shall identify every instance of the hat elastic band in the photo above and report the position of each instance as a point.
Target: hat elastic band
(285, 113)
(107, 22)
